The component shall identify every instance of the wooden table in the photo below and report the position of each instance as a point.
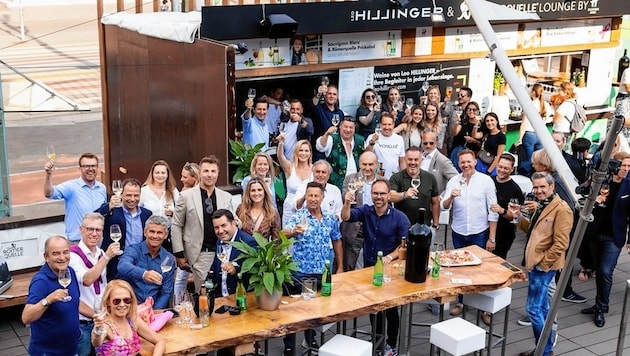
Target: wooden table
(353, 295)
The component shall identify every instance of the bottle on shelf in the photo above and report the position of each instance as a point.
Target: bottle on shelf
(377, 278)
(326, 280)
(241, 298)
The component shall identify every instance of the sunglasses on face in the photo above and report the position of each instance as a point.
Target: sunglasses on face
(370, 97)
(117, 301)
(209, 205)
(428, 143)
(461, 95)
(472, 109)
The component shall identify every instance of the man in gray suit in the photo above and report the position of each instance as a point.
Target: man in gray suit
(435, 162)
(192, 232)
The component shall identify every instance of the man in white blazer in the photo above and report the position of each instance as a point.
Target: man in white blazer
(435, 162)
(192, 232)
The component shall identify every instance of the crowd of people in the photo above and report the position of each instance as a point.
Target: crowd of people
(357, 182)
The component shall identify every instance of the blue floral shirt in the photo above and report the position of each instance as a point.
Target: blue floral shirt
(312, 248)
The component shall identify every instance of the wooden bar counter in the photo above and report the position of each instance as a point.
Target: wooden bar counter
(353, 295)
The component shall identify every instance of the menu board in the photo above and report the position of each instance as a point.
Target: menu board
(361, 46)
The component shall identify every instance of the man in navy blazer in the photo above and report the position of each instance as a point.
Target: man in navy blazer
(226, 229)
(124, 211)
(607, 235)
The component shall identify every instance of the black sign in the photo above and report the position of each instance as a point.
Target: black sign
(409, 78)
(243, 21)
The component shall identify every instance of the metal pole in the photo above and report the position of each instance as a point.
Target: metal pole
(624, 321)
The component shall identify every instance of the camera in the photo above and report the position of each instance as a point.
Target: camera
(584, 189)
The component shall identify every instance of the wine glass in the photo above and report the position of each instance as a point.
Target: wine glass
(352, 188)
(50, 153)
(396, 105)
(251, 93)
(286, 107)
(99, 313)
(117, 188)
(167, 263)
(604, 190)
(378, 130)
(335, 120)
(187, 307)
(325, 81)
(115, 234)
(222, 255)
(282, 127)
(65, 279)
(425, 87)
(458, 111)
(409, 103)
(304, 223)
(415, 183)
(178, 306)
(379, 100)
(514, 207)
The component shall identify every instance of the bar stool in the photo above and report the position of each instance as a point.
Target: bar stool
(422, 303)
(457, 336)
(342, 345)
(492, 302)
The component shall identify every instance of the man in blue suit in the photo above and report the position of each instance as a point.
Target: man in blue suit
(608, 233)
(124, 211)
(226, 229)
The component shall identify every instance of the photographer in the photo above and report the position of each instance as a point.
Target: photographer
(607, 234)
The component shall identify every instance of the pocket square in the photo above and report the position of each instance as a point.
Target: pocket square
(624, 196)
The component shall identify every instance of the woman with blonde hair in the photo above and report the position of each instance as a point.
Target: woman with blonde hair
(411, 127)
(565, 105)
(190, 175)
(256, 211)
(297, 172)
(433, 122)
(527, 135)
(262, 167)
(119, 331)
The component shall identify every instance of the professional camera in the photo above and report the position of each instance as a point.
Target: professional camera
(584, 189)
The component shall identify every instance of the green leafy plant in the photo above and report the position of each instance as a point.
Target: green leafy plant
(243, 154)
(270, 265)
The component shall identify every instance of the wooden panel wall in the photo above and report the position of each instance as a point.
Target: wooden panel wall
(166, 100)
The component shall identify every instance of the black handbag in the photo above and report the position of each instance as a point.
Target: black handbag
(485, 156)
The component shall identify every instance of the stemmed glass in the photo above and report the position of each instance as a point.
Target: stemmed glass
(325, 81)
(117, 188)
(377, 129)
(396, 105)
(379, 100)
(65, 279)
(415, 183)
(267, 181)
(409, 103)
(514, 207)
(335, 120)
(222, 256)
(425, 87)
(304, 223)
(251, 93)
(282, 127)
(604, 190)
(167, 263)
(178, 306)
(99, 313)
(115, 234)
(352, 187)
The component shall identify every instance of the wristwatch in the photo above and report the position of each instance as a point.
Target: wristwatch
(45, 303)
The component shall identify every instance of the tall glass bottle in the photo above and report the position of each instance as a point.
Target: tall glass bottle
(241, 298)
(377, 278)
(326, 280)
(418, 246)
(402, 256)
(204, 308)
(210, 287)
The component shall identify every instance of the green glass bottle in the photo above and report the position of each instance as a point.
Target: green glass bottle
(241, 299)
(435, 270)
(326, 280)
(377, 278)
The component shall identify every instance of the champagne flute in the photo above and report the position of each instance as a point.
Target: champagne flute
(335, 120)
(514, 207)
(251, 93)
(415, 183)
(409, 103)
(604, 190)
(115, 234)
(65, 279)
(99, 313)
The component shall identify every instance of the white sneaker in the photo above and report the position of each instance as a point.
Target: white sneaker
(390, 351)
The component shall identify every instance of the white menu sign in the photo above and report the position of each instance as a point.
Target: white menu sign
(263, 53)
(361, 46)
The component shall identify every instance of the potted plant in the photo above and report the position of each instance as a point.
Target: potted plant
(243, 154)
(269, 266)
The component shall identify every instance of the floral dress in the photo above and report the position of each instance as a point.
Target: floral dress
(118, 345)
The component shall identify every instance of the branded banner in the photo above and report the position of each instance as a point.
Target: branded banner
(361, 46)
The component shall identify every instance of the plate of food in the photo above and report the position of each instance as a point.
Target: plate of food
(455, 258)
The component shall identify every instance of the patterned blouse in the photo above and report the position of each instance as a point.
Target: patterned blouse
(118, 345)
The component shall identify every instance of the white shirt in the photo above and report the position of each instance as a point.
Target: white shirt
(471, 210)
(227, 248)
(290, 138)
(388, 150)
(367, 192)
(332, 202)
(566, 110)
(149, 200)
(426, 160)
(351, 166)
(88, 295)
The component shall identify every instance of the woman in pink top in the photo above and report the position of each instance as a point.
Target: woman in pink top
(116, 333)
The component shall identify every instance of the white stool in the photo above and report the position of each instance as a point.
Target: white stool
(457, 336)
(492, 302)
(342, 345)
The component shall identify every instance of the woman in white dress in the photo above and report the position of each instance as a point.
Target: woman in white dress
(297, 171)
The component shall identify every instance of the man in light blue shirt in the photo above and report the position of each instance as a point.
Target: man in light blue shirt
(255, 129)
(82, 195)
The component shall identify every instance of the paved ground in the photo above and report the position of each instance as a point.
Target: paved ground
(578, 336)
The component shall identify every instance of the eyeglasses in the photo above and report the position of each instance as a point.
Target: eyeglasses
(349, 118)
(472, 109)
(209, 205)
(370, 96)
(117, 301)
(428, 143)
(461, 95)
(88, 166)
(92, 229)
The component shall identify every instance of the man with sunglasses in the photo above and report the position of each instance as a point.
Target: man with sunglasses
(81, 196)
(123, 211)
(140, 265)
(435, 162)
(192, 232)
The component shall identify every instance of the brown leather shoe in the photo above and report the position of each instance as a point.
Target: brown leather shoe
(457, 309)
